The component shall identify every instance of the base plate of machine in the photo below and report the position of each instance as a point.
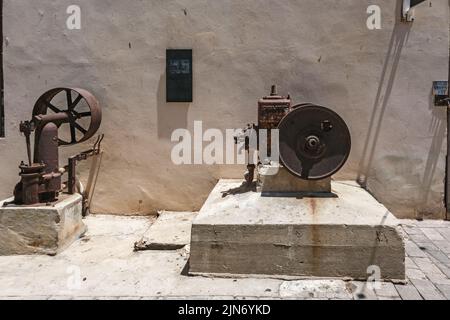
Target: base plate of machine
(9, 204)
(343, 236)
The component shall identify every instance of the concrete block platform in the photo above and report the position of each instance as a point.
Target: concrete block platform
(341, 236)
(41, 229)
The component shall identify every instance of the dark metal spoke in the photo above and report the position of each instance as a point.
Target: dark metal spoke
(52, 107)
(75, 102)
(69, 98)
(76, 125)
(73, 136)
(84, 114)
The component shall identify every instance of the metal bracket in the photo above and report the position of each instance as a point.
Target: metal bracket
(408, 9)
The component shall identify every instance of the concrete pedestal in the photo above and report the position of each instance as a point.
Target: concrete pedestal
(301, 237)
(41, 229)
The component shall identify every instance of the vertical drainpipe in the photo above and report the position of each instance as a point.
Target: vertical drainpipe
(447, 167)
(2, 103)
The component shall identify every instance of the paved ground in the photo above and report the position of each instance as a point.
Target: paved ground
(103, 265)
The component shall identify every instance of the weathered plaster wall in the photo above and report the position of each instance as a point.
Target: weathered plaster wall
(319, 51)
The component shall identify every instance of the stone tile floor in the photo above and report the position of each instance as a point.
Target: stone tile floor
(103, 265)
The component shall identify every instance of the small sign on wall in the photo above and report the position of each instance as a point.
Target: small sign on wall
(179, 75)
(440, 93)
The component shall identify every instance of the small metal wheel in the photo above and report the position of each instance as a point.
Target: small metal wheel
(82, 108)
(314, 142)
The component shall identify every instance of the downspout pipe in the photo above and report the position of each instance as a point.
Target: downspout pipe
(447, 165)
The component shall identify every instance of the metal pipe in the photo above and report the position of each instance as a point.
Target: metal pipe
(28, 142)
(447, 167)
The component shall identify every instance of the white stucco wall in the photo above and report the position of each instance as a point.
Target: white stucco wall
(379, 81)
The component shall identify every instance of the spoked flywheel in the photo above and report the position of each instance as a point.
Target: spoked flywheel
(80, 106)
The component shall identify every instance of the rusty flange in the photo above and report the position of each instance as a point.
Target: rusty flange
(44, 104)
(315, 142)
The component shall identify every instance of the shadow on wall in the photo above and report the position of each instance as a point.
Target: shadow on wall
(171, 116)
(399, 38)
(438, 128)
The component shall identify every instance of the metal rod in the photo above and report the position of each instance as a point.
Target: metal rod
(27, 139)
(92, 181)
(71, 172)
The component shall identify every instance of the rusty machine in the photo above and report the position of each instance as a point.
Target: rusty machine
(314, 141)
(75, 112)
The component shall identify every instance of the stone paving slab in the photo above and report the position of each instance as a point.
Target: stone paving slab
(415, 274)
(408, 292)
(427, 289)
(361, 291)
(445, 290)
(427, 248)
(445, 232)
(160, 236)
(103, 265)
(386, 290)
(321, 289)
(432, 234)
(413, 250)
(431, 271)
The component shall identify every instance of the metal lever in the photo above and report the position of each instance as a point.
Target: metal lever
(96, 153)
